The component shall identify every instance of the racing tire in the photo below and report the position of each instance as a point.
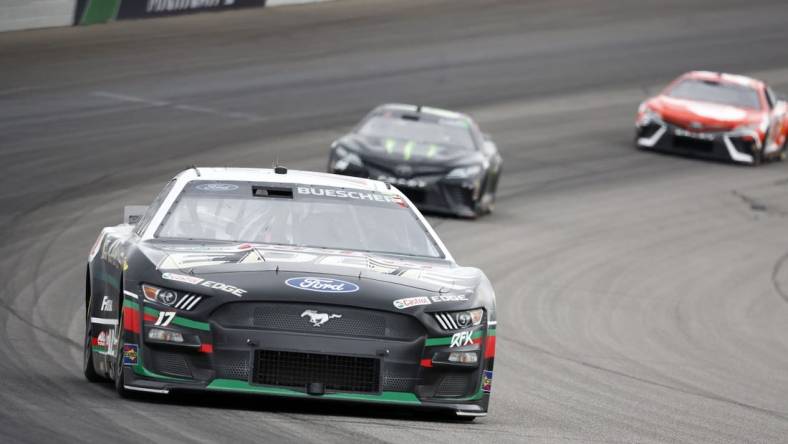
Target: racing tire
(117, 370)
(88, 367)
(757, 158)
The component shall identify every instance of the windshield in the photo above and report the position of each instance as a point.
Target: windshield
(297, 215)
(717, 92)
(450, 133)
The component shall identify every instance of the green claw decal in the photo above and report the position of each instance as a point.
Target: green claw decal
(390, 144)
(408, 150)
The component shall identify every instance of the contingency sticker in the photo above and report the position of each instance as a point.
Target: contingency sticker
(411, 302)
(182, 278)
(130, 354)
(232, 289)
(487, 381)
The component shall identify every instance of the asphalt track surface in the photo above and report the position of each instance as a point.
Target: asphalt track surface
(642, 297)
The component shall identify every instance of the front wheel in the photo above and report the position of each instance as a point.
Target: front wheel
(88, 366)
(757, 158)
(120, 386)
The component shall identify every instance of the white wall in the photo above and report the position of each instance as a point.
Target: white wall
(26, 14)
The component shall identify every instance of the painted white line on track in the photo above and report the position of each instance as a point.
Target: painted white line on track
(127, 98)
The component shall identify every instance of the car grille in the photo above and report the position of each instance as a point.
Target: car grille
(692, 144)
(741, 145)
(172, 364)
(340, 373)
(453, 385)
(417, 196)
(649, 130)
(354, 322)
(459, 195)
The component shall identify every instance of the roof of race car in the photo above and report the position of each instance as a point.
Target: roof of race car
(732, 78)
(424, 109)
(291, 177)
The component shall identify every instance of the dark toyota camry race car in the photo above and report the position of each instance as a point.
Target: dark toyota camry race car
(287, 283)
(438, 158)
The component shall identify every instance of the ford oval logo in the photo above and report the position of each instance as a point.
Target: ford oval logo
(322, 285)
(217, 187)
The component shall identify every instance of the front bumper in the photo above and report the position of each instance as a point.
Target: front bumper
(402, 352)
(740, 146)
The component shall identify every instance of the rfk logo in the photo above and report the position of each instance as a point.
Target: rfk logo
(318, 319)
(461, 338)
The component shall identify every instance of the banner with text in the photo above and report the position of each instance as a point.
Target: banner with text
(89, 12)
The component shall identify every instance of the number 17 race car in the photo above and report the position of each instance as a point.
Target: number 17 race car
(288, 284)
(713, 115)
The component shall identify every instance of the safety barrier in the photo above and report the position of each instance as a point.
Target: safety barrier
(27, 14)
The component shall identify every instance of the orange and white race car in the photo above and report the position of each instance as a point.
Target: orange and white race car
(715, 115)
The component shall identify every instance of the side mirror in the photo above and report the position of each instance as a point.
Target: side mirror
(490, 147)
(133, 213)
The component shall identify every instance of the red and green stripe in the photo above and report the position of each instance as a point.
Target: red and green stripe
(131, 322)
(435, 342)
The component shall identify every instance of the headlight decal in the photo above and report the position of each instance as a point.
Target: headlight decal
(171, 298)
(459, 319)
(464, 172)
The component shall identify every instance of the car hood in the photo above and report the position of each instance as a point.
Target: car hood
(703, 115)
(403, 151)
(270, 273)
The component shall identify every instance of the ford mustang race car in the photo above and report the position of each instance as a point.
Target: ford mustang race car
(287, 284)
(439, 159)
(722, 116)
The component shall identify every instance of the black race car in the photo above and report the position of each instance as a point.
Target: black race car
(439, 159)
(294, 284)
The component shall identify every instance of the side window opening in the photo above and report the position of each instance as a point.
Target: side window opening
(142, 224)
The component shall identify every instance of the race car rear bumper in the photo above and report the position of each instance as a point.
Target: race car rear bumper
(740, 146)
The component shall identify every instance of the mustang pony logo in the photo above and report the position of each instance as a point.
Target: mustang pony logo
(318, 319)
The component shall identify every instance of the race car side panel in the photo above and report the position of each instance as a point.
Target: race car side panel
(105, 273)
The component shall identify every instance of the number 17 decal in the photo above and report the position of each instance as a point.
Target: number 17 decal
(165, 317)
